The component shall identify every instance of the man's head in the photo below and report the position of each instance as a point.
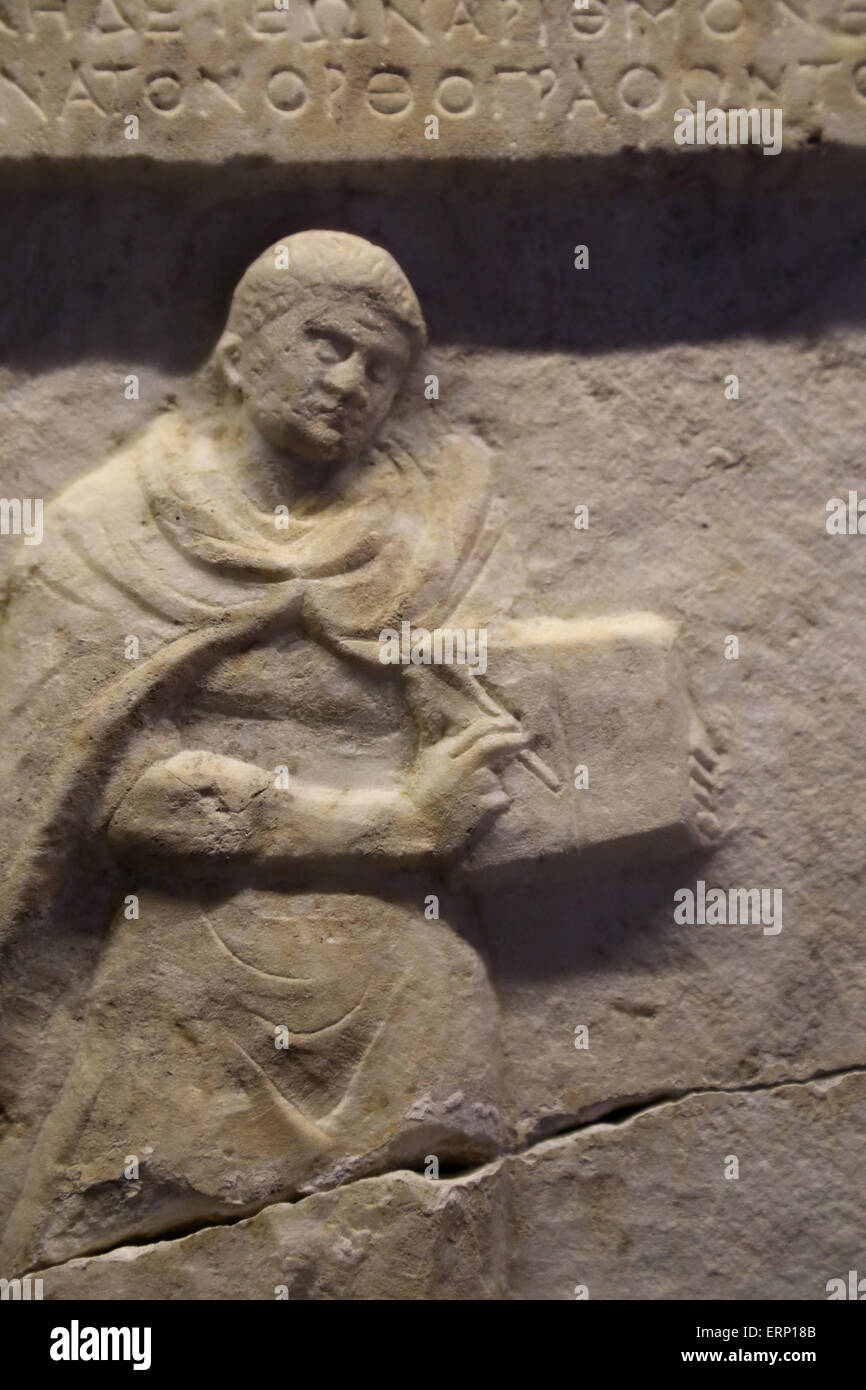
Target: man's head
(320, 335)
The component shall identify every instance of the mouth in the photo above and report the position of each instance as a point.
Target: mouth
(334, 423)
(341, 422)
(339, 408)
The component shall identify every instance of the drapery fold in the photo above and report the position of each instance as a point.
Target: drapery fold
(158, 564)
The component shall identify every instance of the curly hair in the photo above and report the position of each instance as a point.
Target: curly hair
(318, 260)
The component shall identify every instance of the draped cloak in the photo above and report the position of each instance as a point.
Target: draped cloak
(162, 543)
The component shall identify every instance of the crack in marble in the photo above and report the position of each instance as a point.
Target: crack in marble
(620, 1112)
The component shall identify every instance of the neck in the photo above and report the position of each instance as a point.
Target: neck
(271, 477)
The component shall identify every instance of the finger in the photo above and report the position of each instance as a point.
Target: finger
(704, 799)
(700, 775)
(704, 754)
(494, 748)
(481, 728)
(475, 690)
(708, 825)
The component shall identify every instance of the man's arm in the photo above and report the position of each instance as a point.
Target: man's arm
(204, 805)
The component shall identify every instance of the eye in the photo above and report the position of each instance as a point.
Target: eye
(378, 370)
(329, 347)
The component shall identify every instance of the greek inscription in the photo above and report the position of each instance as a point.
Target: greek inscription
(268, 19)
(455, 94)
(462, 19)
(54, 10)
(287, 91)
(110, 18)
(111, 74)
(163, 92)
(224, 80)
(511, 13)
(80, 92)
(542, 81)
(762, 90)
(703, 84)
(389, 93)
(583, 93)
(162, 19)
(591, 22)
(817, 70)
(640, 89)
(514, 67)
(341, 24)
(22, 91)
(653, 8)
(410, 13)
(335, 79)
(723, 17)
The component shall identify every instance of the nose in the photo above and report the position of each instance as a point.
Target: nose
(348, 377)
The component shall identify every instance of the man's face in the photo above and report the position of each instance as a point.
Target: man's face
(319, 380)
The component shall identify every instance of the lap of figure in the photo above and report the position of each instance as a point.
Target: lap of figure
(242, 1051)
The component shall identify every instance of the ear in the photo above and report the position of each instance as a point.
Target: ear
(228, 355)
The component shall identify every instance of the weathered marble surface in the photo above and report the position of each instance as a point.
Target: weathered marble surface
(610, 1212)
(557, 389)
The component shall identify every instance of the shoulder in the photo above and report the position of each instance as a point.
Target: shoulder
(116, 481)
(108, 501)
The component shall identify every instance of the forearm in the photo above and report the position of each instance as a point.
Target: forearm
(206, 806)
(310, 821)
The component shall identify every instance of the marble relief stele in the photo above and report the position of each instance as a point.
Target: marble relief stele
(215, 767)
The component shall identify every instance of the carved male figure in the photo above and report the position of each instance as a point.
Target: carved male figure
(252, 804)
